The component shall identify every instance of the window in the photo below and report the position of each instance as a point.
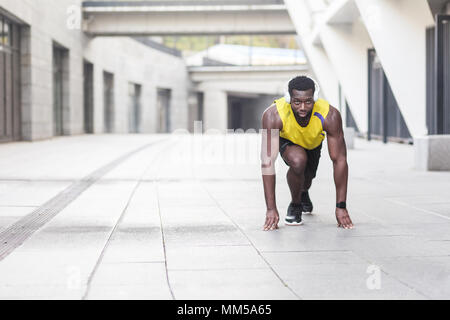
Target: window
(10, 123)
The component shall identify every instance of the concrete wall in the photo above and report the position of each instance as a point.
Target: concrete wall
(432, 153)
(49, 21)
(347, 45)
(215, 113)
(302, 15)
(397, 29)
(47, 26)
(336, 37)
(134, 62)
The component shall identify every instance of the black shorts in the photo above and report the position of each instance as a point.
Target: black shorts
(313, 157)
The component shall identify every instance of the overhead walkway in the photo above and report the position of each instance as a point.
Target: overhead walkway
(250, 79)
(262, 84)
(160, 18)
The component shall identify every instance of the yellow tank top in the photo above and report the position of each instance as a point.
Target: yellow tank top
(309, 137)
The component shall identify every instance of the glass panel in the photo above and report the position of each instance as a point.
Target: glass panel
(134, 107)
(10, 123)
(108, 86)
(8, 94)
(137, 108)
(431, 83)
(15, 37)
(57, 91)
(2, 95)
(383, 100)
(131, 114)
(163, 103)
(1, 31)
(6, 34)
(376, 103)
(16, 95)
(88, 98)
(446, 46)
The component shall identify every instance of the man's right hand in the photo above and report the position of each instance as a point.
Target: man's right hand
(272, 218)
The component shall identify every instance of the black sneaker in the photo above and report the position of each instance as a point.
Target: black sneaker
(307, 206)
(294, 215)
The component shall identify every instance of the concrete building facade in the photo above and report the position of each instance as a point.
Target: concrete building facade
(59, 81)
(384, 63)
(376, 58)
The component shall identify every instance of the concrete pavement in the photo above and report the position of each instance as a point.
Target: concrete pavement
(180, 217)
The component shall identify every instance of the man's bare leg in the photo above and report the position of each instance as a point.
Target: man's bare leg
(296, 158)
(295, 181)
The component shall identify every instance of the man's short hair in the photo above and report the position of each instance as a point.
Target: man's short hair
(301, 83)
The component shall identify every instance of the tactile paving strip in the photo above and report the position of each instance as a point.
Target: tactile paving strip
(19, 232)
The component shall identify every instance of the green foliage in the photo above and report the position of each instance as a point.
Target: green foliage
(199, 43)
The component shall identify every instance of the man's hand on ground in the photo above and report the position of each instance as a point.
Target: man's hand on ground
(343, 219)
(272, 218)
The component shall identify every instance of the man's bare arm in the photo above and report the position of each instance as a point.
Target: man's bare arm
(271, 124)
(338, 154)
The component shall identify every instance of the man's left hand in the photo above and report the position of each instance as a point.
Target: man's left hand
(343, 219)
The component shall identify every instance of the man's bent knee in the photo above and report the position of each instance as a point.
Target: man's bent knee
(298, 164)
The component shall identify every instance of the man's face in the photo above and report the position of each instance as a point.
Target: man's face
(302, 102)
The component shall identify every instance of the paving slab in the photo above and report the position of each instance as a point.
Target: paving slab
(134, 246)
(342, 282)
(29, 193)
(183, 219)
(129, 292)
(11, 214)
(302, 258)
(209, 235)
(428, 275)
(236, 284)
(214, 257)
(41, 292)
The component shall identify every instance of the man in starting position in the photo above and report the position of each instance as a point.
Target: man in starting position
(295, 126)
